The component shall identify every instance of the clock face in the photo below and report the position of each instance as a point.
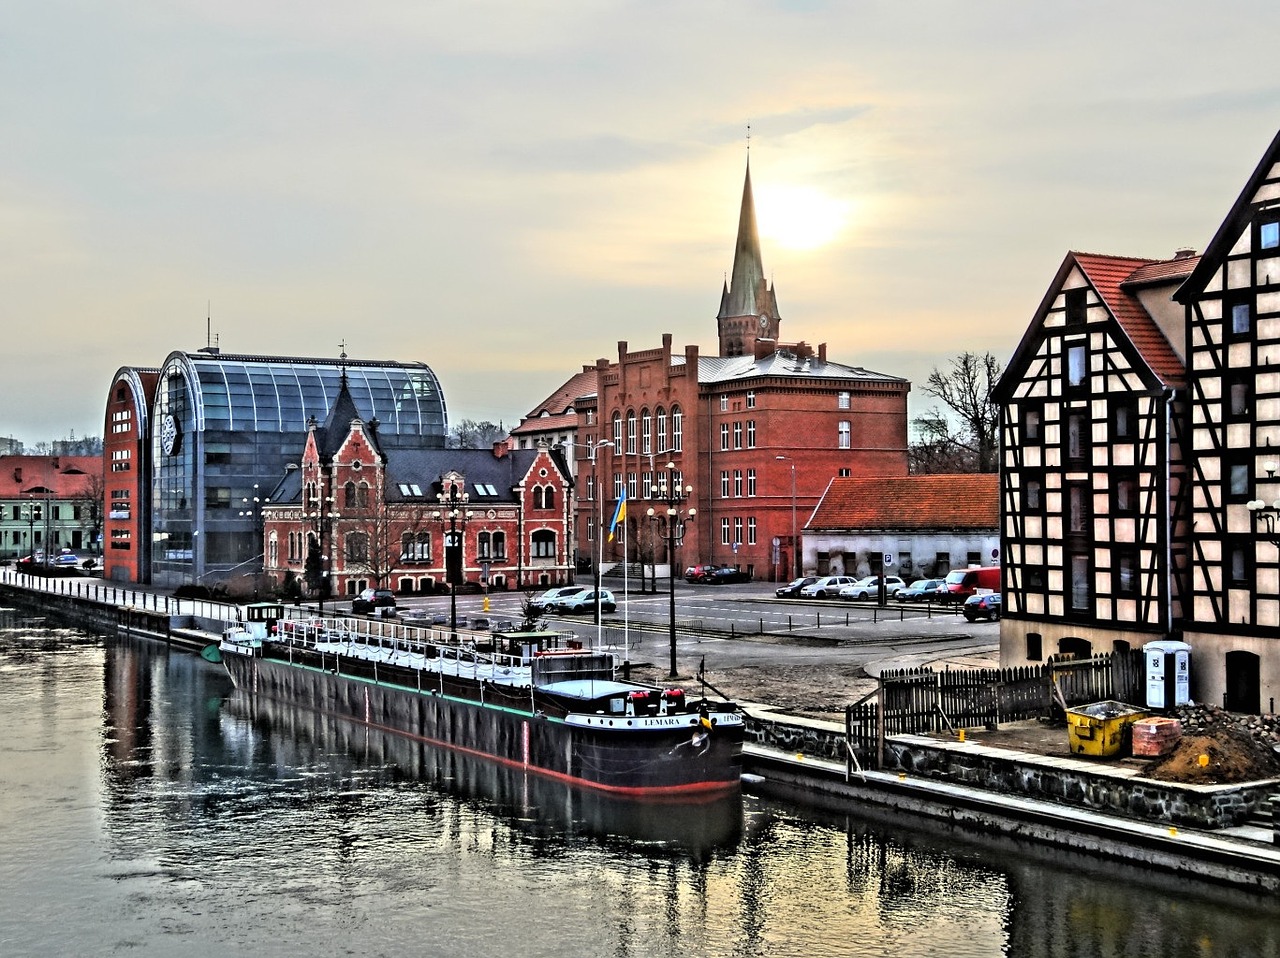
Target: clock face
(169, 434)
(764, 321)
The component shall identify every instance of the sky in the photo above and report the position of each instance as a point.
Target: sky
(504, 190)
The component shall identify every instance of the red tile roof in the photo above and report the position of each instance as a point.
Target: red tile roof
(61, 477)
(962, 501)
(1107, 274)
(554, 406)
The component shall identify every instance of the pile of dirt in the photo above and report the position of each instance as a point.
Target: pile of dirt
(1219, 748)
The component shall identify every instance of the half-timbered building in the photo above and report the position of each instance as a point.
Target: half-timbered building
(1092, 470)
(1232, 302)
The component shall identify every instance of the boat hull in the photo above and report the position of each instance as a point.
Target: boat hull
(676, 758)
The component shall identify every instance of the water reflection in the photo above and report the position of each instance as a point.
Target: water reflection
(148, 811)
(280, 735)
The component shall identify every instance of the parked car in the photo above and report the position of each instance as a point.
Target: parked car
(371, 599)
(698, 573)
(983, 607)
(975, 580)
(585, 601)
(828, 586)
(723, 575)
(67, 560)
(792, 589)
(544, 603)
(922, 590)
(869, 588)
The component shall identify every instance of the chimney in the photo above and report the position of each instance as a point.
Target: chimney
(499, 449)
(822, 352)
(1184, 252)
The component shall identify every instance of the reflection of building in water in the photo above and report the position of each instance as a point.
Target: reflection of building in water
(159, 715)
(300, 737)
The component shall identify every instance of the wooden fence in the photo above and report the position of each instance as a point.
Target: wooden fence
(922, 701)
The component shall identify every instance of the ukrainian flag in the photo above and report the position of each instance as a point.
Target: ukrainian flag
(619, 515)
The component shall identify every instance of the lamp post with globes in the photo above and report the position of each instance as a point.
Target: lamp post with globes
(795, 546)
(317, 510)
(598, 558)
(453, 510)
(1264, 514)
(253, 512)
(670, 525)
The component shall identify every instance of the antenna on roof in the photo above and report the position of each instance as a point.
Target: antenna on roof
(208, 322)
(342, 360)
(748, 140)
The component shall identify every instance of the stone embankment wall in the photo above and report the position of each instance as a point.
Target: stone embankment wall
(1069, 781)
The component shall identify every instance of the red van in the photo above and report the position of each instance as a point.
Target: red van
(962, 583)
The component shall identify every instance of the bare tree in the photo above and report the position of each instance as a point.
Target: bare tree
(91, 501)
(935, 449)
(965, 390)
(382, 526)
(470, 434)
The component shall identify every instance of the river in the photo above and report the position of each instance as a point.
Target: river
(145, 810)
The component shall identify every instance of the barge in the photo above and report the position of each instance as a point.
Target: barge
(519, 699)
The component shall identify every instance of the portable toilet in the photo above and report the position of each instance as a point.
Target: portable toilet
(1168, 674)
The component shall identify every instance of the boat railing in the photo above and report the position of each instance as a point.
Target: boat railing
(436, 650)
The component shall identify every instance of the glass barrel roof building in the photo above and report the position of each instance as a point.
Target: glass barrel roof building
(225, 426)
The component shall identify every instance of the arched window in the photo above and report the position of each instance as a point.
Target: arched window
(617, 431)
(548, 498)
(362, 495)
(677, 429)
(274, 550)
(482, 546)
(406, 546)
(631, 432)
(662, 429)
(537, 497)
(544, 544)
(357, 547)
(422, 547)
(499, 545)
(349, 496)
(646, 432)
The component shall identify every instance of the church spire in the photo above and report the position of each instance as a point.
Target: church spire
(748, 310)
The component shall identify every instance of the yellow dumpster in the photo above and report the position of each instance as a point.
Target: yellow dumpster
(1101, 729)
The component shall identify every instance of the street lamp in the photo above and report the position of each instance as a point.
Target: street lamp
(1265, 515)
(253, 512)
(598, 559)
(670, 526)
(795, 546)
(317, 510)
(453, 507)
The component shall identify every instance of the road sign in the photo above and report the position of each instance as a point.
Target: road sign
(888, 559)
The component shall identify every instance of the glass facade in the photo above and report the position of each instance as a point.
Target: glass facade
(225, 423)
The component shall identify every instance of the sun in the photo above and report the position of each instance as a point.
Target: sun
(800, 217)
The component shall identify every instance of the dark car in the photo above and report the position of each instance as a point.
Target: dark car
(727, 574)
(922, 590)
(982, 607)
(371, 599)
(698, 573)
(792, 589)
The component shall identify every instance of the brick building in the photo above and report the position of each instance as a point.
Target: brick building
(757, 430)
(369, 515)
(126, 554)
(49, 503)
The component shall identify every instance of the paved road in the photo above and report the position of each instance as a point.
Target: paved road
(724, 624)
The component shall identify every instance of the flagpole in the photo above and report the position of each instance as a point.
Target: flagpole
(626, 603)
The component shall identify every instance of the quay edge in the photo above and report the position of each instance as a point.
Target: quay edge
(1186, 852)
